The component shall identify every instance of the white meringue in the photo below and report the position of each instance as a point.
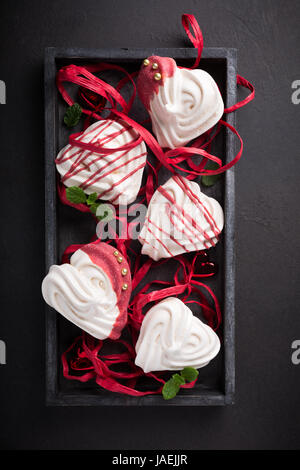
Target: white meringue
(82, 292)
(172, 338)
(116, 176)
(179, 219)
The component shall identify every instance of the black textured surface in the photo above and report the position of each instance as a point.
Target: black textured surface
(267, 36)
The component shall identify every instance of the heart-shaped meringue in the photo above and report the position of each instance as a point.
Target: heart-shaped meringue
(179, 219)
(182, 103)
(92, 291)
(114, 176)
(172, 338)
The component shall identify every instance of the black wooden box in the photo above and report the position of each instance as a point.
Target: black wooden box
(65, 225)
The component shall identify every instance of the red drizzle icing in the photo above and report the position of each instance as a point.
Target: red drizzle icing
(88, 98)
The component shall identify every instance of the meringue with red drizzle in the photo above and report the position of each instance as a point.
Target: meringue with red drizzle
(172, 337)
(115, 176)
(182, 103)
(180, 218)
(92, 291)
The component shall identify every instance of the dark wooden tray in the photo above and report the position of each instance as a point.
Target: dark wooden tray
(65, 225)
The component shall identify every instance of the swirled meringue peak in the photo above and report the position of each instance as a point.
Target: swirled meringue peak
(114, 175)
(92, 291)
(182, 103)
(172, 338)
(180, 218)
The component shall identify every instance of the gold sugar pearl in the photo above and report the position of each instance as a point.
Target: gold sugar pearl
(125, 286)
(124, 271)
(146, 62)
(155, 66)
(157, 76)
(116, 253)
(120, 259)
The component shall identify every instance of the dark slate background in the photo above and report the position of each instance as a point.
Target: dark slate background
(267, 36)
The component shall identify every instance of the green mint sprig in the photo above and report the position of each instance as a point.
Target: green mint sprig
(103, 212)
(72, 115)
(172, 386)
(210, 180)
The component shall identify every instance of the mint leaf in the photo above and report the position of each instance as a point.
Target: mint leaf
(75, 195)
(170, 389)
(210, 180)
(72, 115)
(92, 198)
(189, 374)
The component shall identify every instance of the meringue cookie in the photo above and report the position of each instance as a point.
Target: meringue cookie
(172, 338)
(114, 176)
(182, 103)
(92, 291)
(180, 219)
